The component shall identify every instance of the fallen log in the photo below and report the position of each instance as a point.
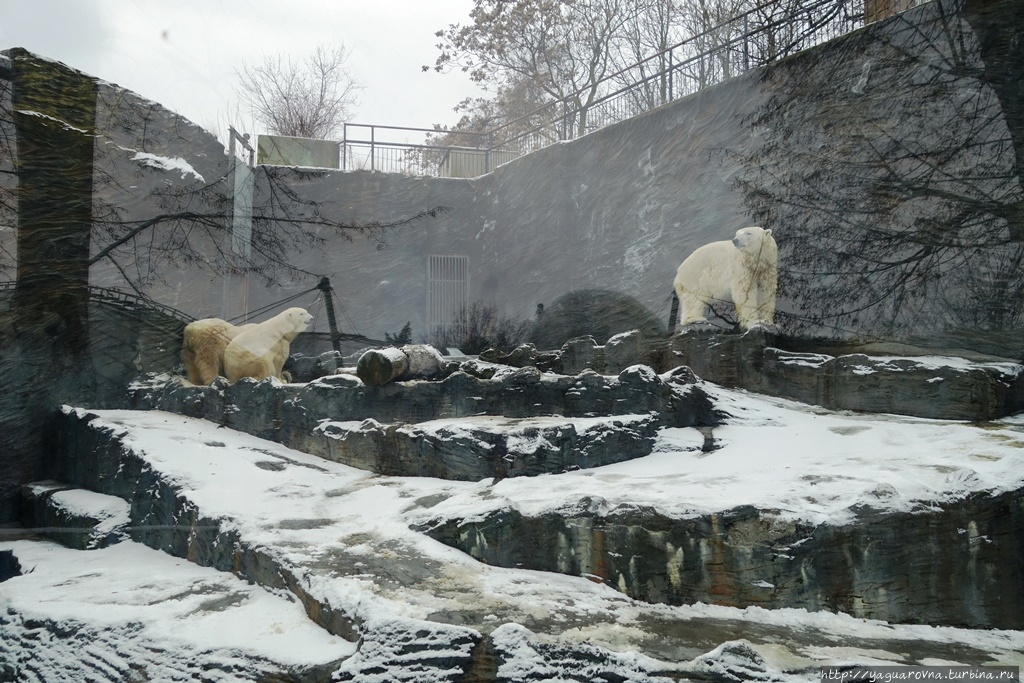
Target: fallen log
(380, 366)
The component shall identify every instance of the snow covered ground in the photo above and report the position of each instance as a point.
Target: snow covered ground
(808, 463)
(154, 602)
(348, 533)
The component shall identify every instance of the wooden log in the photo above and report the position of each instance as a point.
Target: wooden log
(380, 366)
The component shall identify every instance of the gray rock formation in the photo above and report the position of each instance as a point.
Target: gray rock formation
(882, 566)
(75, 518)
(403, 649)
(949, 387)
(882, 562)
(584, 353)
(328, 417)
(885, 378)
(481, 448)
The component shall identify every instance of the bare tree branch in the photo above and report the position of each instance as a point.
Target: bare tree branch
(309, 98)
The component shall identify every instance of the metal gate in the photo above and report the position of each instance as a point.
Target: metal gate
(447, 296)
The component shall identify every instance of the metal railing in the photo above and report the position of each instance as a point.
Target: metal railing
(119, 299)
(761, 35)
(377, 148)
(754, 38)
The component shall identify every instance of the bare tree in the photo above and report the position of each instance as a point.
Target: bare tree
(509, 124)
(651, 30)
(309, 98)
(587, 63)
(903, 212)
(563, 48)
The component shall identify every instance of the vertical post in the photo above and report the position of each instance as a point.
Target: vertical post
(671, 77)
(673, 315)
(746, 44)
(373, 148)
(325, 287)
(489, 141)
(46, 357)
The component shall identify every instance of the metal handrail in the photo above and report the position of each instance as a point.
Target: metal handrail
(804, 9)
(133, 301)
(374, 143)
(121, 299)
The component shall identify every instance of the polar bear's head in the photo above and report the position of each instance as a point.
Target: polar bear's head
(752, 240)
(298, 318)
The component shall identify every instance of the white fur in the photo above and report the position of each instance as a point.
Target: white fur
(743, 270)
(202, 348)
(261, 351)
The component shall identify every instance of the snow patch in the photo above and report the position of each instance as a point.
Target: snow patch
(111, 512)
(64, 124)
(168, 164)
(166, 601)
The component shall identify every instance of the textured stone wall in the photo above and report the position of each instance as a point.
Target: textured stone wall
(95, 163)
(952, 564)
(880, 159)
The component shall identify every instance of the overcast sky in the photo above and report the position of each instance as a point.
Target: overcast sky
(184, 53)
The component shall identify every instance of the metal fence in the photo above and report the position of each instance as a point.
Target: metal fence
(761, 35)
(125, 301)
(395, 149)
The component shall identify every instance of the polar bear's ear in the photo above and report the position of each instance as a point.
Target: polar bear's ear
(767, 232)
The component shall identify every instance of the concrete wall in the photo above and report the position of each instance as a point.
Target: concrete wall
(853, 153)
(617, 210)
(292, 151)
(850, 152)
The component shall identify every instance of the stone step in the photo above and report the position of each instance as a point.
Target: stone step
(537, 423)
(130, 613)
(471, 449)
(73, 517)
(930, 386)
(340, 540)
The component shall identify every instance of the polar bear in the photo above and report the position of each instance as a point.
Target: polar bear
(260, 351)
(743, 270)
(202, 348)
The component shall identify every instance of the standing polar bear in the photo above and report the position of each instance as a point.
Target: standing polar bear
(260, 351)
(202, 348)
(743, 270)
